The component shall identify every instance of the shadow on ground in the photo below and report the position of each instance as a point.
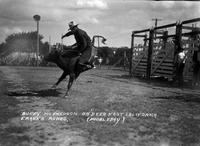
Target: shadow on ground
(38, 93)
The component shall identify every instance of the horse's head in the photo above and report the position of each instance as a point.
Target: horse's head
(52, 56)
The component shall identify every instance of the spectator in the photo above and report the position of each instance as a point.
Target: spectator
(196, 67)
(180, 64)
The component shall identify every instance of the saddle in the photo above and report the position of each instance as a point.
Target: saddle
(70, 53)
(75, 57)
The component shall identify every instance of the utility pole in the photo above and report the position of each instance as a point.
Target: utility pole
(37, 19)
(156, 21)
(61, 42)
(49, 44)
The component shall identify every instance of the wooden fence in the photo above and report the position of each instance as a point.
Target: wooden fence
(156, 55)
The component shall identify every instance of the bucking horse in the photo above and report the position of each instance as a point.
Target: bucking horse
(66, 63)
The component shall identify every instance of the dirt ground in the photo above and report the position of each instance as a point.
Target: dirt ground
(105, 108)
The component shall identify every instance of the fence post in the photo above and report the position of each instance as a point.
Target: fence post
(149, 59)
(131, 54)
(124, 59)
(145, 40)
(165, 39)
(177, 49)
(177, 44)
(178, 38)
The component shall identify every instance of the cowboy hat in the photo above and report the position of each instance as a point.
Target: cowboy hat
(71, 25)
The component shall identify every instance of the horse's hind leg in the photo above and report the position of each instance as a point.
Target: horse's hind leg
(62, 77)
(70, 82)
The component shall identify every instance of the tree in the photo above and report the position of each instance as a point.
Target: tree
(21, 42)
(44, 48)
(2, 45)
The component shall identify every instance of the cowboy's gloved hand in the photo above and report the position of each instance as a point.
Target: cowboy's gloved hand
(62, 37)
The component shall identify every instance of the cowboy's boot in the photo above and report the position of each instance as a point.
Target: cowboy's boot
(86, 66)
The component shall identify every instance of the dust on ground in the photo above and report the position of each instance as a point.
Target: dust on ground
(104, 108)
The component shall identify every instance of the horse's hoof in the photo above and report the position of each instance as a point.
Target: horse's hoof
(66, 95)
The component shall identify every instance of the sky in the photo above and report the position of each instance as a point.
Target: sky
(113, 19)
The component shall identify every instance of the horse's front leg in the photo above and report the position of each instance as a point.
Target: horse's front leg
(62, 77)
(70, 82)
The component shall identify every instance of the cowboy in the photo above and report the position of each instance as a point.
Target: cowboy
(83, 44)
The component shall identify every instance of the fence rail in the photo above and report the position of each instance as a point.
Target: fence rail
(158, 55)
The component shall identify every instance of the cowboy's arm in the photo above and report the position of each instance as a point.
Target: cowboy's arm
(68, 34)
